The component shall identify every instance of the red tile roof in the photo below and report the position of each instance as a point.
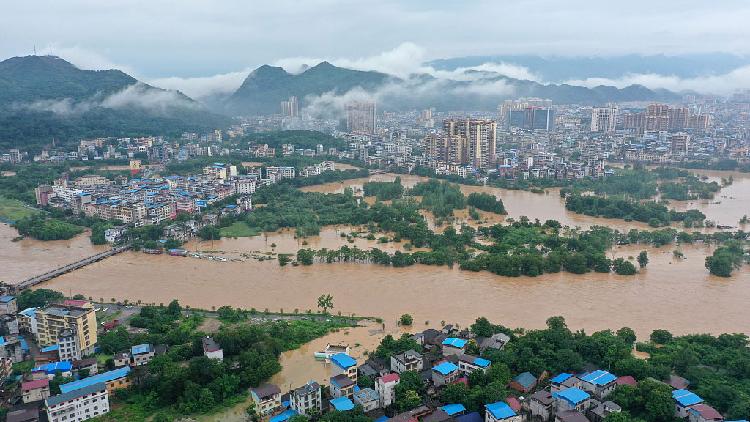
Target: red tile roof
(513, 403)
(390, 377)
(33, 385)
(74, 302)
(707, 412)
(626, 380)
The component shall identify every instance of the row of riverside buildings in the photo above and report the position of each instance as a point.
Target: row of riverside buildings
(443, 360)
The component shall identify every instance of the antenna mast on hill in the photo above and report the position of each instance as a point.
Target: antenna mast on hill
(35, 49)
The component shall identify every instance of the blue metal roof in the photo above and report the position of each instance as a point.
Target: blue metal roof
(482, 362)
(103, 377)
(52, 367)
(686, 398)
(284, 416)
(343, 360)
(342, 404)
(599, 377)
(526, 379)
(454, 408)
(7, 298)
(50, 348)
(454, 342)
(560, 378)
(382, 419)
(445, 368)
(29, 312)
(500, 410)
(572, 395)
(140, 348)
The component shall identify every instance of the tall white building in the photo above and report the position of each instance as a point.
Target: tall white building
(480, 136)
(604, 119)
(361, 117)
(78, 405)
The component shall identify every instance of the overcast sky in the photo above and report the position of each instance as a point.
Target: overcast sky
(187, 38)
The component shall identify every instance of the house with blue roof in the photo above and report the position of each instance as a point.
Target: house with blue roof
(454, 346)
(683, 400)
(141, 354)
(599, 383)
(63, 368)
(500, 411)
(367, 398)
(572, 399)
(342, 404)
(445, 373)
(343, 364)
(454, 409)
(468, 364)
(563, 381)
(524, 382)
(114, 380)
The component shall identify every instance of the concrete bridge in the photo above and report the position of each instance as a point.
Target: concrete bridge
(33, 281)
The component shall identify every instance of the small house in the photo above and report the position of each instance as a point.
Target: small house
(454, 346)
(342, 386)
(524, 382)
(367, 398)
(35, 390)
(500, 411)
(599, 383)
(445, 373)
(267, 398)
(572, 399)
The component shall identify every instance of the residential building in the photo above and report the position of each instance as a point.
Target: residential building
(604, 119)
(500, 411)
(30, 414)
(410, 360)
(481, 139)
(454, 346)
(361, 117)
(684, 400)
(542, 405)
(113, 380)
(600, 410)
(572, 399)
(453, 410)
(267, 398)
(53, 369)
(367, 398)
(79, 405)
(8, 305)
(570, 416)
(27, 321)
(211, 349)
(11, 347)
(468, 364)
(68, 345)
(141, 354)
(445, 373)
(704, 413)
(78, 316)
(341, 363)
(563, 381)
(680, 143)
(307, 400)
(342, 386)
(6, 369)
(386, 388)
(524, 382)
(35, 390)
(290, 108)
(599, 383)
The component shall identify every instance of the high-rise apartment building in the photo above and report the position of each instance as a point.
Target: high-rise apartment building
(604, 119)
(657, 117)
(450, 149)
(680, 143)
(480, 136)
(361, 117)
(78, 316)
(531, 118)
(290, 108)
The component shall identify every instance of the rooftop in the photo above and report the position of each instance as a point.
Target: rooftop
(686, 398)
(452, 409)
(33, 385)
(526, 379)
(266, 390)
(53, 367)
(500, 410)
(572, 395)
(343, 360)
(141, 348)
(341, 381)
(445, 368)
(392, 377)
(284, 416)
(342, 404)
(74, 394)
(454, 342)
(599, 377)
(94, 379)
(560, 378)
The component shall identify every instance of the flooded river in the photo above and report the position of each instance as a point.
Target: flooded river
(674, 294)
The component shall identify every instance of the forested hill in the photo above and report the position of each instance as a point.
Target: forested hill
(45, 97)
(323, 87)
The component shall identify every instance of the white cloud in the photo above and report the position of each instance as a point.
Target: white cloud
(203, 86)
(714, 84)
(136, 95)
(83, 58)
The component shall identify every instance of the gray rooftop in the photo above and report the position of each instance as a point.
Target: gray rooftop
(70, 395)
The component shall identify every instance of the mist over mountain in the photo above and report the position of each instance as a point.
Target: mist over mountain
(559, 68)
(45, 97)
(324, 89)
